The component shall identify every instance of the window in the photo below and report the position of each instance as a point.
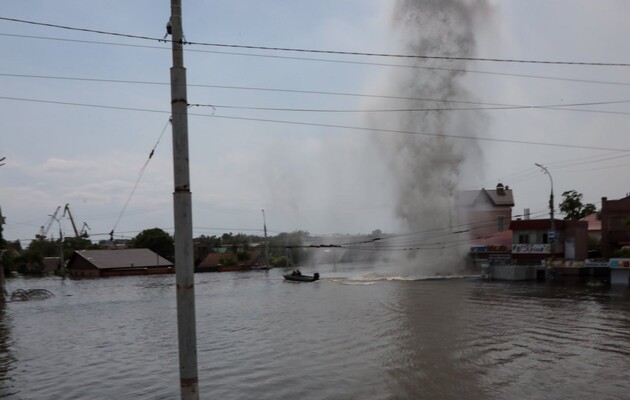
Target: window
(545, 238)
(523, 238)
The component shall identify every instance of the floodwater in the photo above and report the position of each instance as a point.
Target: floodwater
(355, 334)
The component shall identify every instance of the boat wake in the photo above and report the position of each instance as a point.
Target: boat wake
(372, 279)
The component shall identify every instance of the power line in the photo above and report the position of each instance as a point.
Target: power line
(140, 174)
(436, 109)
(319, 51)
(334, 126)
(381, 130)
(490, 106)
(471, 71)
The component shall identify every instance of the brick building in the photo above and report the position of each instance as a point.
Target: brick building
(615, 219)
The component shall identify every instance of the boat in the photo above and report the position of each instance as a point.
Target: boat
(296, 276)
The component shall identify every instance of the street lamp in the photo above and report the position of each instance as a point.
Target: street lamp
(61, 262)
(552, 232)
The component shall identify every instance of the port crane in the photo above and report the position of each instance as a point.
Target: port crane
(43, 230)
(85, 226)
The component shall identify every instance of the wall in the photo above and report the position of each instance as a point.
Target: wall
(615, 231)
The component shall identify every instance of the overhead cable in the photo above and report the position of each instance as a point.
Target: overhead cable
(140, 174)
(334, 126)
(320, 51)
(487, 105)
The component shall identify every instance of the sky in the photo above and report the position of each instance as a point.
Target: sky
(268, 130)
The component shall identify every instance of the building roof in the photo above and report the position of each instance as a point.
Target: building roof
(505, 199)
(124, 258)
(594, 222)
(498, 197)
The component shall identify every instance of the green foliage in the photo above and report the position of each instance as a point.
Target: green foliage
(227, 261)
(209, 241)
(44, 248)
(8, 261)
(157, 240)
(623, 253)
(280, 262)
(72, 244)
(288, 245)
(31, 261)
(594, 247)
(573, 207)
(242, 256)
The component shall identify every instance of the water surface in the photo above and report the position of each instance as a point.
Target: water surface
(358, 333)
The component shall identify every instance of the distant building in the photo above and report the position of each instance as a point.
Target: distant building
(102, 263)
(231, 258)
(531, 240)
(615, 225)
(484, 212)
(594, 222)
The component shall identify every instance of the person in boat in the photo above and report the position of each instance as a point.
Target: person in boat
(296, 272)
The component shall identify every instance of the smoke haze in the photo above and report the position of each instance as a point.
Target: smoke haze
(427, 170)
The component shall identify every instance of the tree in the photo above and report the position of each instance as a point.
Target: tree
(572, 206)
(157, 240)
(287, 245)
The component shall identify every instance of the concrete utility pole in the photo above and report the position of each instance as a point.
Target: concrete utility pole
(266, 241)
(552, 237)
(182, 204)
(62, 266)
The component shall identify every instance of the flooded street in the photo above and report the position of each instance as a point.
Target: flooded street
(352, 335)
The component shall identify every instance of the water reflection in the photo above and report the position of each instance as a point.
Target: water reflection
(433, 344)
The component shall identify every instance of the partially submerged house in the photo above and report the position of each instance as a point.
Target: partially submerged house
(102, 263)
(533, 242)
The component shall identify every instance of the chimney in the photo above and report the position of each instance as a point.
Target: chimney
(500, 190)
(526, 214)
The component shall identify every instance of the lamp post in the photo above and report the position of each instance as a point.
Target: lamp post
(62, 267)
(552, 236)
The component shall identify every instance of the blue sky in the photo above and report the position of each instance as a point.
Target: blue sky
(309, 177)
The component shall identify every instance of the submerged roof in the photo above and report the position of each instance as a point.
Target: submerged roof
(124, 258)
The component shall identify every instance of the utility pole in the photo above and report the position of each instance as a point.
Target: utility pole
(182, 204)
(62, 265)
(552, 231)
(266, 241)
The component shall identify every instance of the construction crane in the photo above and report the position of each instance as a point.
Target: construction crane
(66, 210)
(85, 226)
(83, 232)
(43, 231)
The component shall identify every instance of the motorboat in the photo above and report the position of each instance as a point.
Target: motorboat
(297, 276)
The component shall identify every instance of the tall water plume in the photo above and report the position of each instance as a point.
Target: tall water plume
(427, 170)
